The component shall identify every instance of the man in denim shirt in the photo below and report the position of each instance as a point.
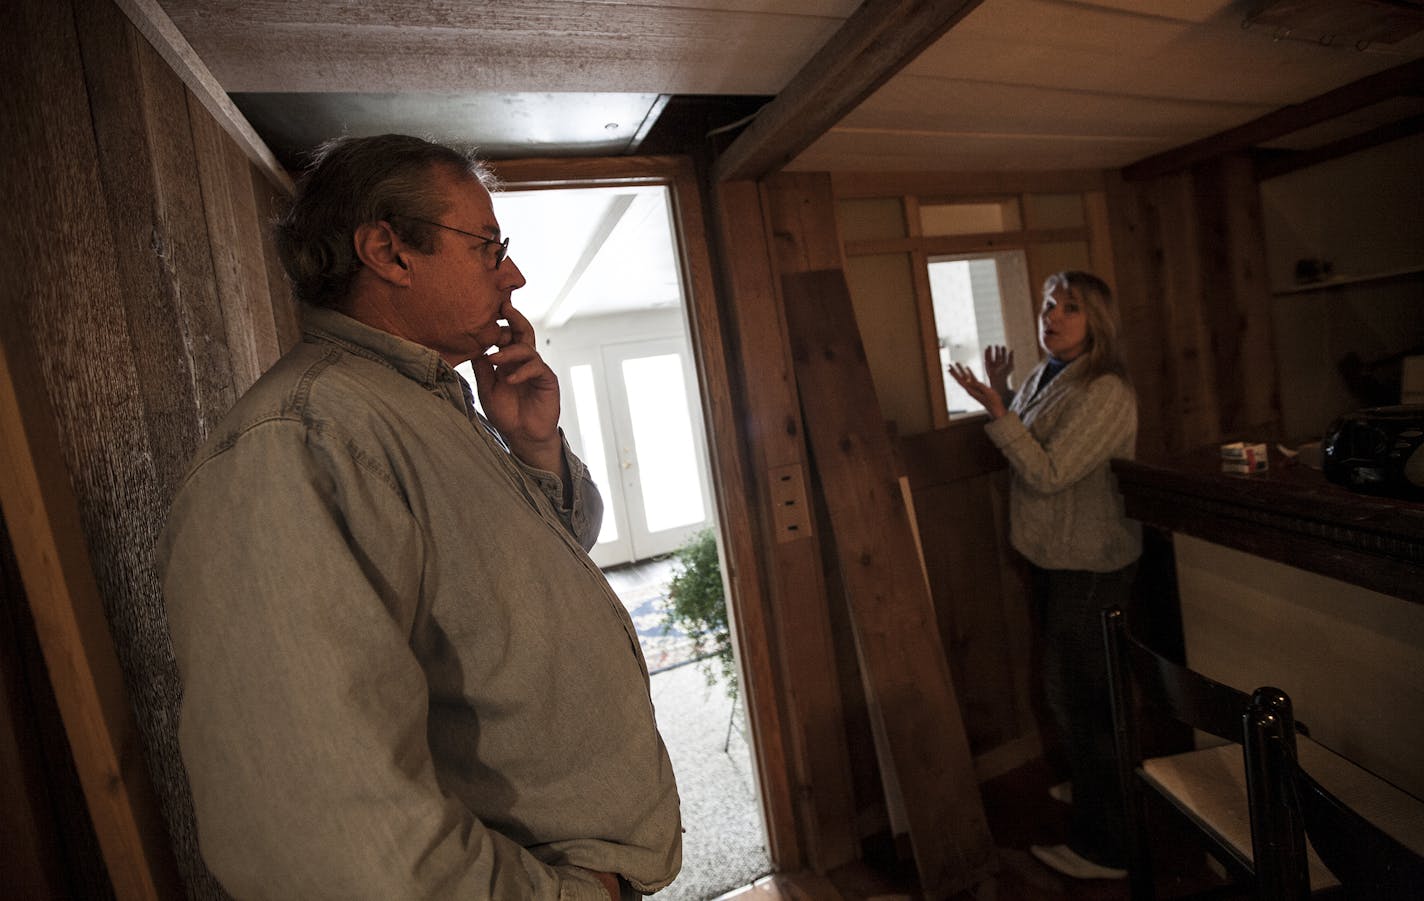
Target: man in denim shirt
(403, 676)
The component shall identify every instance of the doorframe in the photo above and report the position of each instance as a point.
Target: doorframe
(731, 484)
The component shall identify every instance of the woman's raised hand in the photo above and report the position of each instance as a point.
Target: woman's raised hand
(992, 400)
(998, 364)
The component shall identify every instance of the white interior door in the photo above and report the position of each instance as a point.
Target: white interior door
(659, 451)
(639, 426)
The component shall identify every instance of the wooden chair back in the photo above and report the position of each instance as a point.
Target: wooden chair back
(1144, 684)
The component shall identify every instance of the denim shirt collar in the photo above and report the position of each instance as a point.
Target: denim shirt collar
(414, 361)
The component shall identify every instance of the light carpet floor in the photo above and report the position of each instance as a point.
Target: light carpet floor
(723, 845)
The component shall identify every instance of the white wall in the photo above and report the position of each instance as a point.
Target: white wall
(1352, 660)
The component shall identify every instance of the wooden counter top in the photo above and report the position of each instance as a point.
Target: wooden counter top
(1289, 513)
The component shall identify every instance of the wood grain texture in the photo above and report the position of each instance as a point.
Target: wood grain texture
(814, 721)
(72, 412)
(1143, 334)
(140, 115)
(235, 241)
(875, 43)
(165, 38)
(545, 45)
(912, 691)
(932, 187)
(733, 485)
(270, 204)
(1248, 327)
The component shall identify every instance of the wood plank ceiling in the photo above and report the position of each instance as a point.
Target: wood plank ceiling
(1014, 84)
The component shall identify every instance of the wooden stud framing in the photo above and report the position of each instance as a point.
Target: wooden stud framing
(822, 792)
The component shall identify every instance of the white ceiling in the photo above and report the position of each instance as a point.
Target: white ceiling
(1015, 84)
(1048, 84)
(590, 251)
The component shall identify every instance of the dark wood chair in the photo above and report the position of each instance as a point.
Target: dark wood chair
(1287, 817)
(1236, 795)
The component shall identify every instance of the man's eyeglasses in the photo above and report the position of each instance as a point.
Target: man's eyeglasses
(501, 247)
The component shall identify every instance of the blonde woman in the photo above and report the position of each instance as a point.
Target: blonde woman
(1074, 413)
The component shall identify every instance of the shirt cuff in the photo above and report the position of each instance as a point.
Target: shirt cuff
(549, 483)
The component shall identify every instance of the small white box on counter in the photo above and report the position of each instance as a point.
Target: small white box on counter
(1238, 456)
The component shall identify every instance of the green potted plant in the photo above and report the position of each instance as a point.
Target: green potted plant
(697, 606)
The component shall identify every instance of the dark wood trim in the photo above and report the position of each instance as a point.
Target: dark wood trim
(877, 41)
(1290, 514)
(1407, 78)
(1276, 163)
(932, 186)
(944, 245)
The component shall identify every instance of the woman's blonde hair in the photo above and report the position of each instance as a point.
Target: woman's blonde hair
(1104, 354)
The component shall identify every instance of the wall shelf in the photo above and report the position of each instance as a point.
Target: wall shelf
(1346, 280)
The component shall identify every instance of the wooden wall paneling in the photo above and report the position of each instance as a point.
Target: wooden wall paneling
(178, 349)
(1018, 638)
(1218, 296)
(804, 651)
(1143, 336)
(271, 202)
(912, 688)
(1100, 249)
(1253, 385)
(156, 221)
(803, 224)
(960, 485)
(234, 236)
(964, 184)
(73, 411)
(168, 41)
(924, 306)
(1177, 254)
(957, 524)
(753, 634)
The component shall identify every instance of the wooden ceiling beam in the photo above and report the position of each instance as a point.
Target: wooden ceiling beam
(1401, 80)
(1283, 162)
(877, 41)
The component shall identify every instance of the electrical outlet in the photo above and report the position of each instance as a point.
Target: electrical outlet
(789, 511)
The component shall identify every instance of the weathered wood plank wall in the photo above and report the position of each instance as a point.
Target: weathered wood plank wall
(141, 289)
(1196, 304)
(810, 693)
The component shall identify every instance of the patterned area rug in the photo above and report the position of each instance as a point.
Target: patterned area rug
(643, 588)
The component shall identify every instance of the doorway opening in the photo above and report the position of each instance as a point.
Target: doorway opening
(607, 297)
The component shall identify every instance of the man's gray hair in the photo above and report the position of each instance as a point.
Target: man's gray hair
(352, 181)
